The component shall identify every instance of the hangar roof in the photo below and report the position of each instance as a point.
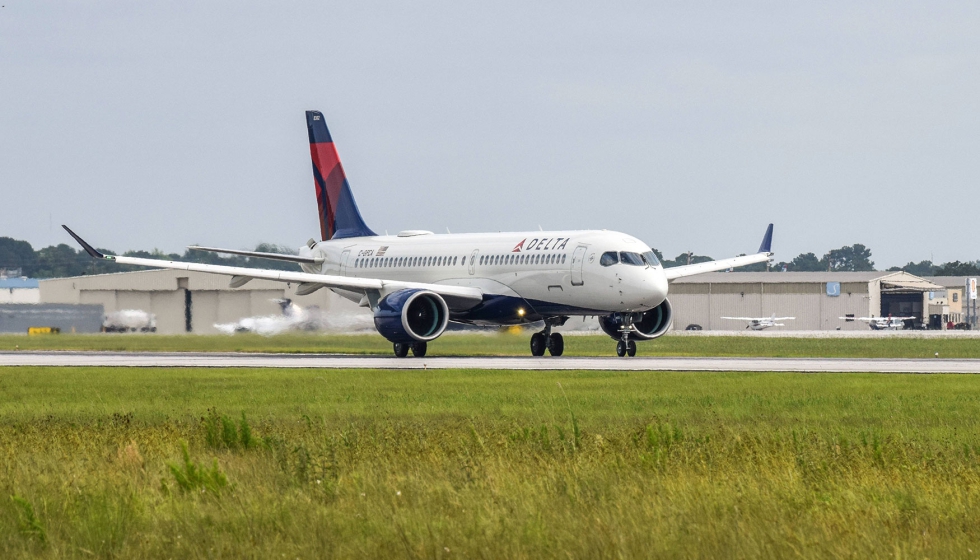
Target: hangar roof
(950, 281)
(780, 277)
(890, 281)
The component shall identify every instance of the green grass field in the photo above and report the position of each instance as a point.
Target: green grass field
(510, 344)
(501, 464)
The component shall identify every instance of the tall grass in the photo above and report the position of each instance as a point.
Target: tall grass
(488, 464)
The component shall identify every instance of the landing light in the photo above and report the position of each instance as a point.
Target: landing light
(520, 312)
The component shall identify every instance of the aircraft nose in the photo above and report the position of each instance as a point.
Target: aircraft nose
(656, 291)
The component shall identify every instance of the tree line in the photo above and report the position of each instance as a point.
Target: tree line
(849, 258)
(59, 261)
(63, 260)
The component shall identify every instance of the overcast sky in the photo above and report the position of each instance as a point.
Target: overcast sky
(690, 125)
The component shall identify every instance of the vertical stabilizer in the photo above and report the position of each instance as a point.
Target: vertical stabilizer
(339, 217)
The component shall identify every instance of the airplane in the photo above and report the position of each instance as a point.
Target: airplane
(882, 323)
(760, 323)
(416, 281)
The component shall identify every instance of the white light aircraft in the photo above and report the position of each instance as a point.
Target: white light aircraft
(888, 323)
(293, 317)
(415, 282)
(760, 323)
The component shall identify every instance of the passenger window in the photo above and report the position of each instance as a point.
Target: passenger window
(609, 258)
(563, 259)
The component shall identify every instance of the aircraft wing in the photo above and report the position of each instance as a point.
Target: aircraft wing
(783, 318)
(457, 297)
(765, 252)
(745, 318)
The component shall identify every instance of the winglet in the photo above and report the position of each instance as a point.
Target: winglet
(766, 246)
(88, 248)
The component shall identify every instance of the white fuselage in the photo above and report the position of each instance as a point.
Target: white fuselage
(764, 324)
(554, 273)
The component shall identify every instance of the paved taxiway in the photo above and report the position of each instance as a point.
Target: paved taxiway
(334, 361)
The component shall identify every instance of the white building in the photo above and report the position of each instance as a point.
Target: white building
(19, 290)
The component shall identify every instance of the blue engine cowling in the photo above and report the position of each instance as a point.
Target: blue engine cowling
(646, 326)
(412, 315)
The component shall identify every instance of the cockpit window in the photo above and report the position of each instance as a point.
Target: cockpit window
(609, 259)
(650, 258)
(631, 258)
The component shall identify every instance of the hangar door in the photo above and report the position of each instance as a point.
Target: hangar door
(901, 304)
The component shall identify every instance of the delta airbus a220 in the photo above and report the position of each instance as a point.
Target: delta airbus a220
(416, 282)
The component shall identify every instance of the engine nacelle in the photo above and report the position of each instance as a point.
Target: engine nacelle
(646, 326)
(411, 315)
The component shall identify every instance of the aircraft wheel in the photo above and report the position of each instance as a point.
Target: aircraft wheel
(620, 348)
(401, 350)
(418, 349)
(631, 349)
(556, 344)
(538, 344)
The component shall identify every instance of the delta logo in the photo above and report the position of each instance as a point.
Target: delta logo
(543, 244)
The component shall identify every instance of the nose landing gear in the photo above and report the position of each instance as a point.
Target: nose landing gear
(626, 347)
(554, 343)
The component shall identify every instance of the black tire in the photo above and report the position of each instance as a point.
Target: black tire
(401, 350)
(556, 344)
(419, 348)
(620, 348)
(538, 344)
(631, 349)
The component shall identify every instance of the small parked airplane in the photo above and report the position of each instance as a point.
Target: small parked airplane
(293, 318)
(760, 323)
(888, 323)
(415, 282)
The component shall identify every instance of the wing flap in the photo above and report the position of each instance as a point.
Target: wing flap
(260, 255)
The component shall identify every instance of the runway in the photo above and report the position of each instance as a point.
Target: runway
(335, 361)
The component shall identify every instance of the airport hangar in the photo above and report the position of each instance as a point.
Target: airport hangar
(193, 302)
(185, 301)
(817, 300)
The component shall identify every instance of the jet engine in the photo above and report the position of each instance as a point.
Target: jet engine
(646, 326)
(411, 315)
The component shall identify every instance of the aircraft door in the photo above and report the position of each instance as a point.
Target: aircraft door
(343, 262)
(473, 256)
(578, 259)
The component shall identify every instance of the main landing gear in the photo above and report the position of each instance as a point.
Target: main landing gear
(418, 349)
(627, 348)
(554, 343)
